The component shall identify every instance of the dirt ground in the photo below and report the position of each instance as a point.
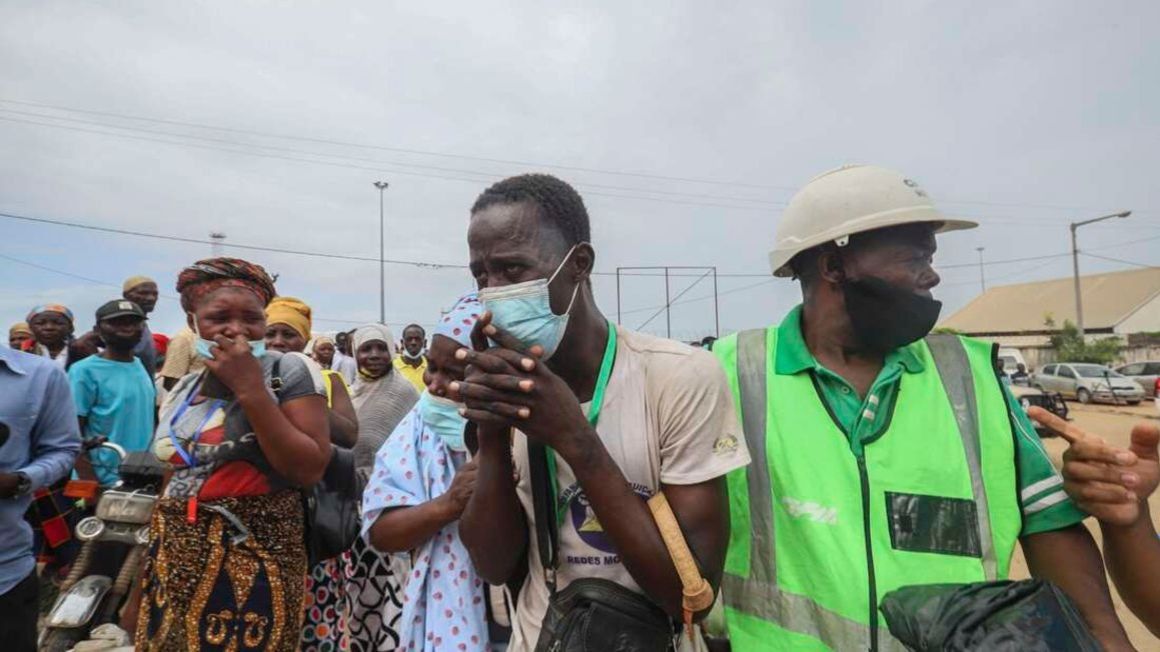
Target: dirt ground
(1113, 423)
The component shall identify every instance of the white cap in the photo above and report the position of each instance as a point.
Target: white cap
(848, 200)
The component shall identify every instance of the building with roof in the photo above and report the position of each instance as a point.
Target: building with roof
(1114, 304)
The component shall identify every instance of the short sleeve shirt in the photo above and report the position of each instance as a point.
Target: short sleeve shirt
(667, 419)
(216, 436)
(116, 399)
(1045, 505)
(180, 357)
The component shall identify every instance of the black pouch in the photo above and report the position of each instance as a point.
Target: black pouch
(591, 614)
(596, 615)
(1000, 616)
(331, 507)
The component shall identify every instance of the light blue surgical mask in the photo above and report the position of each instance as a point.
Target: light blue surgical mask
(202, 346)
(442, 416)
(524, 311)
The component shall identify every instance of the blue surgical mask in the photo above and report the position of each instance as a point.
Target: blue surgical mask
(524, 311)
(442, 416)
(202, 346)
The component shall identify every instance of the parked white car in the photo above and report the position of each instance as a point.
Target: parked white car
(1088, 382)
(1145, 373)
(1011, 359)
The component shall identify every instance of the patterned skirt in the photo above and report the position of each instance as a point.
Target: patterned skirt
(325, 615)
(373, 592)
(203, 592)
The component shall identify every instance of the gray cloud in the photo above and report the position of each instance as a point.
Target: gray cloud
(998, 111)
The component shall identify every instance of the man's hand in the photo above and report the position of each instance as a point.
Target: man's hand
(505, 387)
(8, 484)
(1105, 481)
(235, 365)
(461, 489)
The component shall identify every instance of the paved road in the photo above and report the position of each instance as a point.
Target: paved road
(1113, 423)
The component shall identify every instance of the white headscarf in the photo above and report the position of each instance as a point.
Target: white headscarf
(380, 404)
(370, 332)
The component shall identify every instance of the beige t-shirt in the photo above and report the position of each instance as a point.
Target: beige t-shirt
(667, 418)
(181, 358)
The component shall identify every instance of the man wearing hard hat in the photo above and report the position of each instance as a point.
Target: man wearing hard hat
(882, 457)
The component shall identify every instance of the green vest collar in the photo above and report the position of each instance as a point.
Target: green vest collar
(792, 356)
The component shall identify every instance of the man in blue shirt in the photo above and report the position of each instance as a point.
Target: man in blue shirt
(39, 440)
(114, 395)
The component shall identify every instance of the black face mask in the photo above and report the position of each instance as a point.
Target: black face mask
(885, 316)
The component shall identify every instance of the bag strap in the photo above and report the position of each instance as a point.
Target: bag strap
(276, 378)
(544, 511)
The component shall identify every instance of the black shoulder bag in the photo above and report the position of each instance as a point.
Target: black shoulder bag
(331, 507)
(591, 614)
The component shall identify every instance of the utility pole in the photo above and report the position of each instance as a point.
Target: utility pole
(217, 242)
(982, 278)
(1074, 226)
(382, 186)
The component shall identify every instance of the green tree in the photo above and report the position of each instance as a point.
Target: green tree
(1070, 347)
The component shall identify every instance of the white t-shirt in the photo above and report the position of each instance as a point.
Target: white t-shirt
(667, 418)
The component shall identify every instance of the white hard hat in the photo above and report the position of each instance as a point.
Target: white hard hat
(851, 199)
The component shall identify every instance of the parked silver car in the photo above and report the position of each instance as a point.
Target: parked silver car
(1088, 382)
(1145, 373)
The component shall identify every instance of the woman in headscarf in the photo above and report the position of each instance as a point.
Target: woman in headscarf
(227, 555)
(18, 334)
(288, 322)
(52, 336)
(373, 588)
(322, 349)
(420, 485)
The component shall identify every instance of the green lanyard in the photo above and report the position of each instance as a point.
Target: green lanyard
(593, 413)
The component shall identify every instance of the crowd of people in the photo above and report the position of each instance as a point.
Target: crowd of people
(514, 466)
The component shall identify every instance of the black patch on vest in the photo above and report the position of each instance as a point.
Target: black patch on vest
(945, 526)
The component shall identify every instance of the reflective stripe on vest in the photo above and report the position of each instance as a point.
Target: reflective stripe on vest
(759, 595)
(951, 359)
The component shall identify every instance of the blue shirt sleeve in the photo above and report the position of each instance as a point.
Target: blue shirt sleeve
(56, 437)
(84, 389)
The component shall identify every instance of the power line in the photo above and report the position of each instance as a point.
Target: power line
(488, 175)
(340, 143)
(325, 141)
(173, 238)
(169, 297)
(430, 265)
(1119, 260)
(58, 271)
(704, 297)
(670, 301)
(380, 169)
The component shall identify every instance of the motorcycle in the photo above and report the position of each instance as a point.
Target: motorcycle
(112, 552)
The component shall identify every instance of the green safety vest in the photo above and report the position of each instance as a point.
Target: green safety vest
(823, 528)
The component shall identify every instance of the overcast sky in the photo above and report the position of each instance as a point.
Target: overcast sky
(686, 126)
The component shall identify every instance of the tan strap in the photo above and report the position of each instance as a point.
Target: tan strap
(697, 593)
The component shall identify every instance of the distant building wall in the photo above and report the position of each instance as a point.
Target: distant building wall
(1037, 352)
(1144, 320)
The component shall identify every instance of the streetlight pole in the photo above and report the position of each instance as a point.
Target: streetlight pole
(1074, 226)
(382, 185)
(982, 279)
